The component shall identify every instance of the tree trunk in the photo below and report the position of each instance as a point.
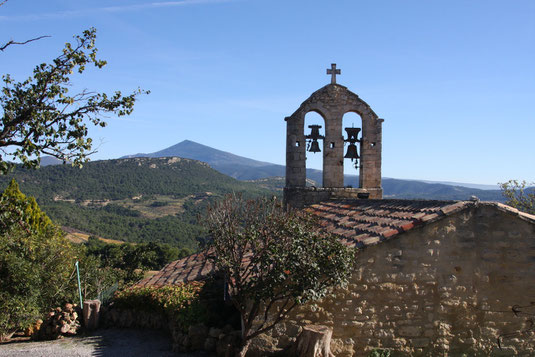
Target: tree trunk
(243, 351)
(314, 341)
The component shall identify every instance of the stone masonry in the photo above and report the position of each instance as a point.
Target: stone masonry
(332, 102)
(451, 288)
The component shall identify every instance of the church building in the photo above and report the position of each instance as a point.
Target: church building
(432, 278)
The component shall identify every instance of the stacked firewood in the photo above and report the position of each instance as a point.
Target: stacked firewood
(59, 323)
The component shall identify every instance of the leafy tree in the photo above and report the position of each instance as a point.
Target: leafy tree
(272, 260)
(519, 195)
(36, 261)
(39, 116)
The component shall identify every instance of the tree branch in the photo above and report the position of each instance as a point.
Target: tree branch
(2, 48)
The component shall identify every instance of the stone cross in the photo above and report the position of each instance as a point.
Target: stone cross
(333, 72)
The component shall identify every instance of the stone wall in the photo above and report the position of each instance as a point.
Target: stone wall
(446, 289)
(299, 197)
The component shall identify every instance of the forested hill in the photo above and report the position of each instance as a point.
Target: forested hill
(123, 178)
(137, 199)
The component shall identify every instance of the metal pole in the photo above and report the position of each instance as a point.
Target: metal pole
(79, 286)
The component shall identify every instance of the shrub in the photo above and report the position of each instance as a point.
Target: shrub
(180, 303)
(36, 262)
(379, 353)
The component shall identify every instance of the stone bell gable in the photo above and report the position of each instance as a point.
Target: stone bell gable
(331, 102)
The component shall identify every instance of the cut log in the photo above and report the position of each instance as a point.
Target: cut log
(91, 314)
(314, 341)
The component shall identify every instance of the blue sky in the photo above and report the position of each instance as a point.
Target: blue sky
(454, 80)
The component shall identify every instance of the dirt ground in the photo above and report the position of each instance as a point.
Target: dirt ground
(101, 343)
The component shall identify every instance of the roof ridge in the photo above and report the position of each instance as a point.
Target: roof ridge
(509, 209)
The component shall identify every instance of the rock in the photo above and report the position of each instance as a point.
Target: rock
(226, 346)
(186, 342)
(178, 336)
(262, 345)
(227, 329)
(214, 332)
(210, 344)
(197, 334)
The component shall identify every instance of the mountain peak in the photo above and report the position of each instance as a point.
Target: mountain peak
(192, 150)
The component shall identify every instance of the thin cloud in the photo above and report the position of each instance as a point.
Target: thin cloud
(111, 9)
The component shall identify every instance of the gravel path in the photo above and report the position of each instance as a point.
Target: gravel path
(101, 343)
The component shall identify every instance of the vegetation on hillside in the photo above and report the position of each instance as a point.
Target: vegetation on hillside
(133, 200)
(37, 263)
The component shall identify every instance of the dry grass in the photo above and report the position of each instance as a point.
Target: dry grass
(77, 236)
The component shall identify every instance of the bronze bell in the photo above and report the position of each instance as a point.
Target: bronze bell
(352, 152)
(352, 134)
(315, 132)
(314, 146)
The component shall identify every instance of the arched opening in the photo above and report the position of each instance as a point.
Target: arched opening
(351, 166)
(314, 158)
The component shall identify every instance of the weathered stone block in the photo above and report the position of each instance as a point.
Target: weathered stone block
(410, 331)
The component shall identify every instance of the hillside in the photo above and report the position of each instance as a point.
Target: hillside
(243, 168)
(136, 200)
(394, 188)
(239, 167)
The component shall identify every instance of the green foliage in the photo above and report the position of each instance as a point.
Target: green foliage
(159, 204)
(379, 353)
(145, 256)
(22, 210)
(519, 195)
(179, 230)
(39, 116)
(36, 261)
(187, 181)
(272, 259)
(103, 265)
(127, 178)
(180, 303)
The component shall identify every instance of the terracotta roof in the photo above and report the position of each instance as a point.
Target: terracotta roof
(358, 223)
(365, 222)
(194, 267)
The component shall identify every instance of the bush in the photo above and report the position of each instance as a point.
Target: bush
(36, 262)
(180, 303)
(379, 353)
(159, 204)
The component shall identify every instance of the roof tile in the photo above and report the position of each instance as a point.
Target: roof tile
(359, 223)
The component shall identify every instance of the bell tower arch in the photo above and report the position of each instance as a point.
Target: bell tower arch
(332, 102)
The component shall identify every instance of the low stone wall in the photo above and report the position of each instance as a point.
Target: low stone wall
(198, 337)
(449, 288)
(130, 318)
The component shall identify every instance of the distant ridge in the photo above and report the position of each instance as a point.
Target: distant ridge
(239, 167)
(50, 160)
(191, 150)
(243, 168)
